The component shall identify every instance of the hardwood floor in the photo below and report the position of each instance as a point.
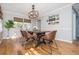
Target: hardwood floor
(13, 47)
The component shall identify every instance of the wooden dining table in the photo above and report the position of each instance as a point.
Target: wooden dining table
(39, 34)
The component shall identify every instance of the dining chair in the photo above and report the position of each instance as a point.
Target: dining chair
(27, 37)
(49, 38)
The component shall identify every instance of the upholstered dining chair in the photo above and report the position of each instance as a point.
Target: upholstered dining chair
(49, 38)
(26, 37)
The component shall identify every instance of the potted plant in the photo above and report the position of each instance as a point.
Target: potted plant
(9, 24)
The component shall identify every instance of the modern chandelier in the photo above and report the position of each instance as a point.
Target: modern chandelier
(33, 14)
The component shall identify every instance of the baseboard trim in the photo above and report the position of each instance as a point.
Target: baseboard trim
(65, 40)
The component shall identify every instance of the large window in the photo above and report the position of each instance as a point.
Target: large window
(21, 25)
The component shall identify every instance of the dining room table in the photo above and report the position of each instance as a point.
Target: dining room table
(38, 36)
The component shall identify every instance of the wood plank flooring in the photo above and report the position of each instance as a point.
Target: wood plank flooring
(12, 47)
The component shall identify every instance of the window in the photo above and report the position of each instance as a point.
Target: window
(21, 25)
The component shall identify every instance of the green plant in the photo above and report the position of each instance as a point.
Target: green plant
(9, 24)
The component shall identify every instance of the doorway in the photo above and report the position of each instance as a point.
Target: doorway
(77, 27)
(75, 9)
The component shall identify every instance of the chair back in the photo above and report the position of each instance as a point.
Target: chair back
(51, 35)
(24, 34)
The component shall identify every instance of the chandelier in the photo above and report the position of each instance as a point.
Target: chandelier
(33, 14)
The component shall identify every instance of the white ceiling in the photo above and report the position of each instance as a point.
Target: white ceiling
(26, 7)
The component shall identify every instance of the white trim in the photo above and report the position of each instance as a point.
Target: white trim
(65, 40)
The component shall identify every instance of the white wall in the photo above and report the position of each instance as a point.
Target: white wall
(8, 15)
(64, 28)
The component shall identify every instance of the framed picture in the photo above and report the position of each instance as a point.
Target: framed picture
(53, 19)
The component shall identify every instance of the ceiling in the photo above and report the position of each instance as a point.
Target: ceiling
(26, 7)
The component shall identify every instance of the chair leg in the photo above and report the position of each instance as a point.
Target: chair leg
(56, 44)
(50, 47)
